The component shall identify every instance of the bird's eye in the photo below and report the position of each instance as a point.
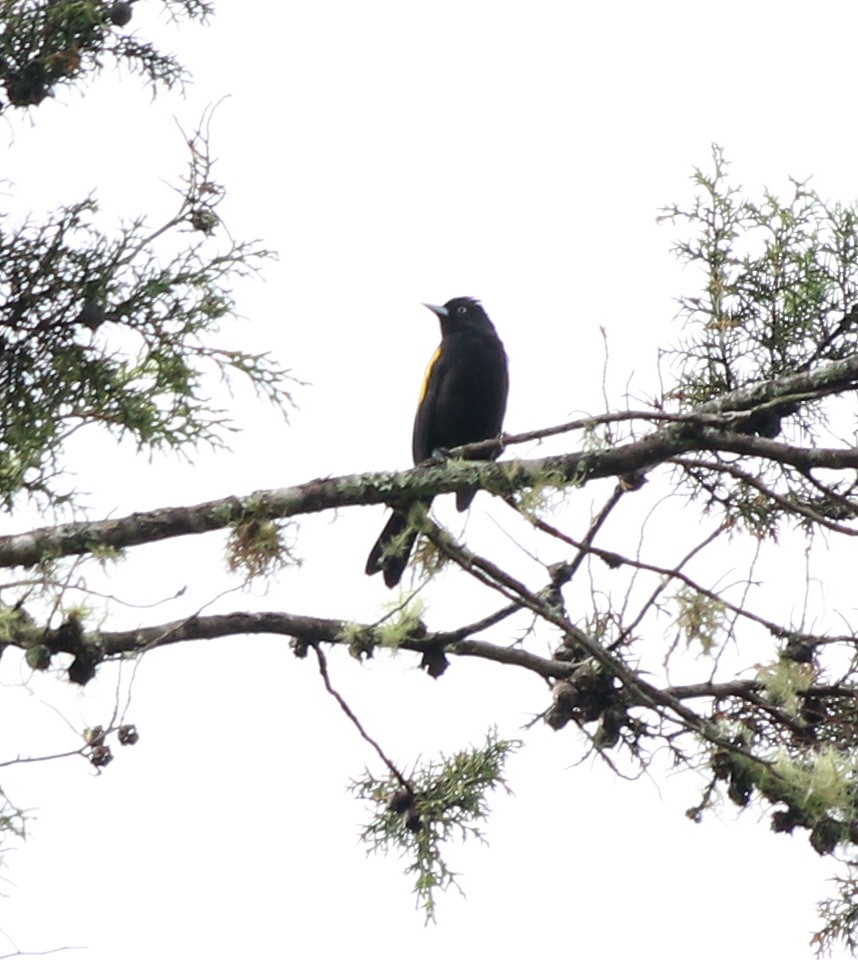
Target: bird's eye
(462, 310)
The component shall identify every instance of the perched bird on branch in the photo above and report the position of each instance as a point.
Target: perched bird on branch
(462, 400)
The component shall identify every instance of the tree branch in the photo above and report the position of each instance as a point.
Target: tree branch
(505, 478)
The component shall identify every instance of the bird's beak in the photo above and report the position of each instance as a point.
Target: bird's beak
(440, 312)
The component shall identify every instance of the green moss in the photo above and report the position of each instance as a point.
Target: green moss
(38, 657)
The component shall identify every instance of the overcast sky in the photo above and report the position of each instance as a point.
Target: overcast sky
(394, 153)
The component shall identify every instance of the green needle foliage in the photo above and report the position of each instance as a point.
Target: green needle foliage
(780, 284)
(53, 43)
(119, 329)
(116, 329)
(103, 329)
(779, 297)
(441, 801)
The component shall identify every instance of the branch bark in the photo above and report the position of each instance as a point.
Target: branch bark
(695, 433)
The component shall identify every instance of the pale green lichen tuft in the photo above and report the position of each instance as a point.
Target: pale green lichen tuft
(701, 619)
(821, 783)
(404, 623)
(784, 681)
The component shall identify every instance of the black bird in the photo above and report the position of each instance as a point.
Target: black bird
(463, 400)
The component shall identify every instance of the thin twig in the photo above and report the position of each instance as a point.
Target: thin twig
(347, 710)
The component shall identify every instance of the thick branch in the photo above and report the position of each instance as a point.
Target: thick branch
(308, 631)
(313, 630)
(74, 539)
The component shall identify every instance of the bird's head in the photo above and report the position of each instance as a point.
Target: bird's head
(461, 313)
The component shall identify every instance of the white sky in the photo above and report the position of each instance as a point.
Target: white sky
(396, 153)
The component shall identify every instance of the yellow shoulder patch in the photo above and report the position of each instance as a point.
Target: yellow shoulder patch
(428, 374)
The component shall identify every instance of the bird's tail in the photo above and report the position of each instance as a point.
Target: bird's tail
(392, 550)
